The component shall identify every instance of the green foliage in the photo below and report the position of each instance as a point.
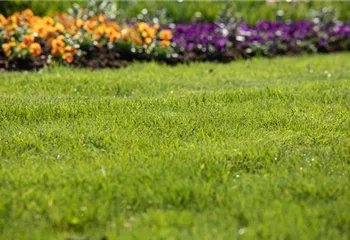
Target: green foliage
(188, 10)
(94, 8)
(38, 7)
(252, 149)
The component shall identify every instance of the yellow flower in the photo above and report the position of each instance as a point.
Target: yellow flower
(50, 30)
(109, 31)
(22, 45)
(100, 30)
(7, 48)
(60, 37)
(79, 23)
(148, 40)
(101, 18)
(166, 35)
(12, 42)
(144, 34)
(59, 27)
(48, 21)
(142, 26)
(35, 49)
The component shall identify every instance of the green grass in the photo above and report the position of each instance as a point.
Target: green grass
(252, 150)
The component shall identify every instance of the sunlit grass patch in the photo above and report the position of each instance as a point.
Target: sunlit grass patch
(254, 149)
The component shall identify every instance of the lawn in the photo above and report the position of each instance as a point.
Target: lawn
(254, 149)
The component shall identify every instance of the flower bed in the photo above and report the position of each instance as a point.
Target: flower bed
(280, 38)
(31, 42)
(94, 42)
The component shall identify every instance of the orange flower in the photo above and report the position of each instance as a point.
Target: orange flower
(27, 14)
(15, 18)
(50, 30)
(22, 45)
(11, 29)
(126, 32)
(3, 21)
(61, 37)
(89, 26)
(41, 31)
(7, 47)
(166, 35)
(35, 49)
(48, 21)
(110, 31)
(57, 51)
(114, 26)
(28, 39)
(70, 49)
(58, 45)
(164, 43)
(33, 20)
(151, 32)
(137, 40)
(155, 27)
(68, 57)
(113, 35)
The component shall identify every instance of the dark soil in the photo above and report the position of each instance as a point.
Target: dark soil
(97, 58)
(22, 63)
(101, 58)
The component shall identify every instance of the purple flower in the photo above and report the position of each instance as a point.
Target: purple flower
(201, 37)
(322, 42)
(266, 37)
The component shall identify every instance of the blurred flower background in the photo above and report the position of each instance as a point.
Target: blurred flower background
(113, 33)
